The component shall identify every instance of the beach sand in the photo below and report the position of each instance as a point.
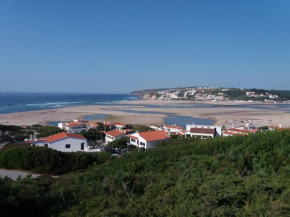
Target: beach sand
(222, 116)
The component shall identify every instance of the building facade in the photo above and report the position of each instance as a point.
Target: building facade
(62, 142)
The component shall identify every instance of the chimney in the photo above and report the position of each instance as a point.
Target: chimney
(280, 126)
(31, 137)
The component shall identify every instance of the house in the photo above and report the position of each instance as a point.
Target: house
(114, 135)
(118, 125)
(174, 130)
(72, 127)
(273, 127)
(91, 125)
(108, 125)
(239, 131)
(77, 126)
(62, 142)
(203, 131)
(147, 139)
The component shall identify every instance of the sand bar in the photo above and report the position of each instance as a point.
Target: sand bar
(229, 116)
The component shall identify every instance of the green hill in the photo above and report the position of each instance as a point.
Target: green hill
(234, 176)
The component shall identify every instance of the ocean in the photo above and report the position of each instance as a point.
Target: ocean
(20, 102)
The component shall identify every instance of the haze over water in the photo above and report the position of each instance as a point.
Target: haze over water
(19, 102)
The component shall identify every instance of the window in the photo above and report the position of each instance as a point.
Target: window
(142, 143)
(45, 145)
(82, 146)
(67, 146)
(133, 140)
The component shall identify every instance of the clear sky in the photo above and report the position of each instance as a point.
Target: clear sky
(116, 46)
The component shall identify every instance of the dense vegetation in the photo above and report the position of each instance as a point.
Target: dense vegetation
(12, 134)
(44, 131)
(233, 176)
(121, 144)
(46, 160)
(138, 127)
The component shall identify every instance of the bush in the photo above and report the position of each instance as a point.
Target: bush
(46, 160)
(119, 143)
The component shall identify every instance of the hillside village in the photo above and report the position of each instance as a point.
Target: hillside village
(204, 93)
(117, 137)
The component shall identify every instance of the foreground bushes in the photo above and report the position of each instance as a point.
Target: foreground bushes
(46, 160)
(234, 176)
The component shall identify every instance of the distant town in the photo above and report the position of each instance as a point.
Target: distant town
(203, 93)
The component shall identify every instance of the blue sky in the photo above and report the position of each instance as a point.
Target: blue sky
(107, 46)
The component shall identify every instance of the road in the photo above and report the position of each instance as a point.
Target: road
(14, 174)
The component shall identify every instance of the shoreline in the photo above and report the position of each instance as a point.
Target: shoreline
(225, 116)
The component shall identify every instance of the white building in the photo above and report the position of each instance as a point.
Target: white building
(239, 132)
(147, 139)
(119, 125)
(77, 126)
(174, 130)
(114, 135)
(62, 142)
(203, 131)
(273, 96)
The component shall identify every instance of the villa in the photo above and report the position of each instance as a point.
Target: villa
(77, 126)
(239, 131)
(147, 139)
(114, 135)
(62, 142)
(174, 130)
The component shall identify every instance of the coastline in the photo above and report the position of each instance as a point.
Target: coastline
(140, 114)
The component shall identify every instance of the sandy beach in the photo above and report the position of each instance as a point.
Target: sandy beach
(222, 116)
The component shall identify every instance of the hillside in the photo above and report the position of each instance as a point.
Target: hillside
(214, 93)
(233, 176)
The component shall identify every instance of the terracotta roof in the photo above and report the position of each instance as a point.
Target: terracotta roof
(202, 130)
(73, 123)
(108, 124)
(115, 133)
(128, 130)
(92, 123)
(119, 123)
(154, 135)
(174, 127)
(234, 131)
(59, 136)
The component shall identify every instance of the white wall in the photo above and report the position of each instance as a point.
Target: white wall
(75, 145)
(108, 139)
(147, 145)
(218, 128)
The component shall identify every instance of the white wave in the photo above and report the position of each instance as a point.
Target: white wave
(52, 104)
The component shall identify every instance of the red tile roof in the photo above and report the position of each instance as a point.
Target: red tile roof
(73, 123)
(115, 133)
(174, 127)
(108, 124)
(154, 135)
(119, 123)
(59, 136)
(234, 131)
(91, 123)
